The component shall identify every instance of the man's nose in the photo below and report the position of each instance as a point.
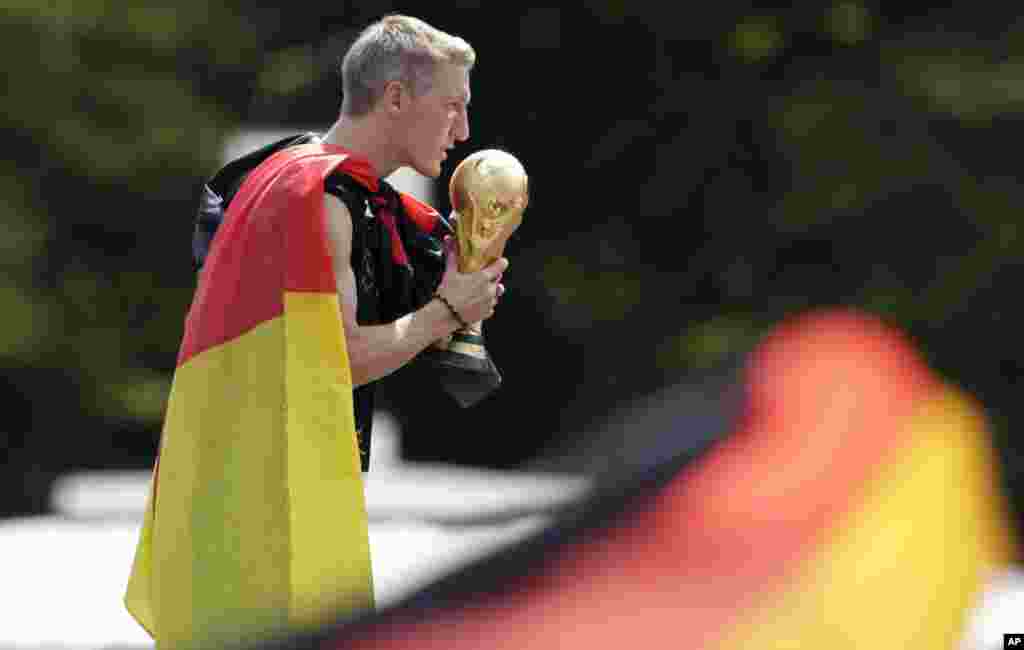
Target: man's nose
(462, 128)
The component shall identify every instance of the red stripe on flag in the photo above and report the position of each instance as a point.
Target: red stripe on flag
(273, 239)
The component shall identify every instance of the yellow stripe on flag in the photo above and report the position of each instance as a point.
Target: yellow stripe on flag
(903, 569)
(256, 529)
(330, 562)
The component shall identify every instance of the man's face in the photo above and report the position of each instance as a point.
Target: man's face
(437, 119)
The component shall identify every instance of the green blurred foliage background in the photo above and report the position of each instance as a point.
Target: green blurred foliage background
(696, 175)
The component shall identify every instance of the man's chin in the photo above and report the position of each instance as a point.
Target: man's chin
(433, 171)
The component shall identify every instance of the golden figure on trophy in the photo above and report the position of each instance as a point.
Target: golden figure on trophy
(489, 191)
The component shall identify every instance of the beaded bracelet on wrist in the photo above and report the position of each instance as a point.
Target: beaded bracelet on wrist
(455, 313)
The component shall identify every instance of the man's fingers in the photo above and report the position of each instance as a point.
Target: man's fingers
(494, 270)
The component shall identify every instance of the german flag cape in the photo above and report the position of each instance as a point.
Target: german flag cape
(256, 518)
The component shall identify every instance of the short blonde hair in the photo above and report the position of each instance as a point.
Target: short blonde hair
(396, 48)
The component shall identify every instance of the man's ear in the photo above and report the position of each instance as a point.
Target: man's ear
(395, 96)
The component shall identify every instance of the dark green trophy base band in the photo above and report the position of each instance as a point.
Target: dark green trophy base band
(462, 337)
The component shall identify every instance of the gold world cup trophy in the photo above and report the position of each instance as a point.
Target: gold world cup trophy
(489, 192)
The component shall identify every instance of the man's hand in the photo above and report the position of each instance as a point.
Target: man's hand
(473, 295)
(375, 351)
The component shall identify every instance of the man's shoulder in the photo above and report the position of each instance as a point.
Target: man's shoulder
(220, 189)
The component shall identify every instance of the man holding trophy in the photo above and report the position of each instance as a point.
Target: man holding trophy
(317, 279)
(409, 280)
(443, 293)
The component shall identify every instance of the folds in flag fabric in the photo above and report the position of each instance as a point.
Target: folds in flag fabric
(256, 518)
(855, 504)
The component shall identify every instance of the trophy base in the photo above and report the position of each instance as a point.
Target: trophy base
(467, 378)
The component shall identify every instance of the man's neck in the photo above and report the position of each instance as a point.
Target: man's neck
(361, 136)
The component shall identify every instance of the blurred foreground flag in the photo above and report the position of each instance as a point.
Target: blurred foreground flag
(256, 518)
(856, 504)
